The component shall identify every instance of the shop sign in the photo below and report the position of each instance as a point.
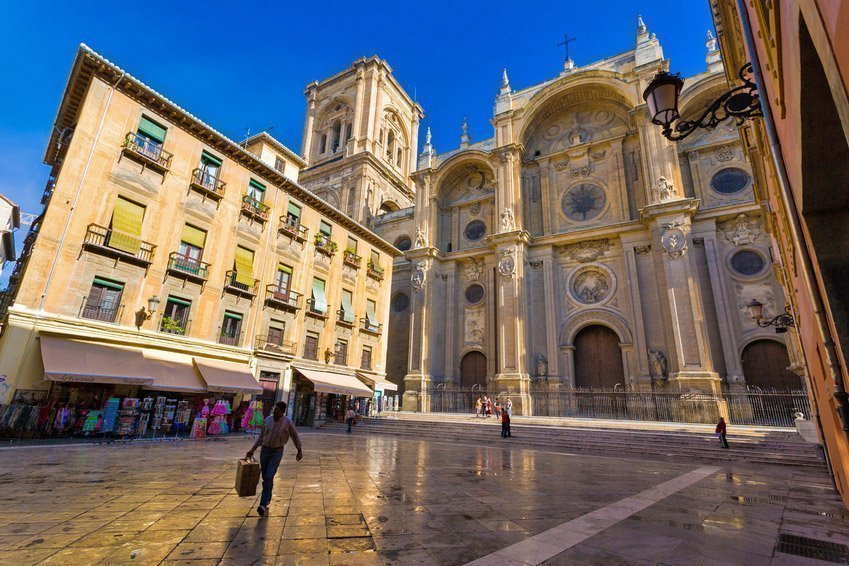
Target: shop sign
(106, 379)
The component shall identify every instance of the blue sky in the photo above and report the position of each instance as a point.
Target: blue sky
(247, 67)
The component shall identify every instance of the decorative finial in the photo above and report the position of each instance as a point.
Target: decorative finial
(505, 83)
(464, 137)
(710, 42)
(427, 136)
(713, 57)
(641, 26)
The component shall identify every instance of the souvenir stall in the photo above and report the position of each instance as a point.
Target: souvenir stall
(319, 395)
(384, 393)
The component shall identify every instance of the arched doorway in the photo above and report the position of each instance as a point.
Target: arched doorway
(473, 369)
(765, 365)
(598, 360)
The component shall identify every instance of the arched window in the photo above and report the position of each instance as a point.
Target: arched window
(390, 145)
(322, 147)
(336, 134)
(398, 156)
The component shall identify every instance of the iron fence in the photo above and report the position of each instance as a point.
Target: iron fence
(750, 407)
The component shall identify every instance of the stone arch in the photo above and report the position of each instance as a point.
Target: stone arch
(388, 205)
(458, 166)
(603, 317)
(766, 362)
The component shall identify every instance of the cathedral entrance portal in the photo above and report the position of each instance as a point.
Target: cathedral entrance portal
(765, 365)
(473, 370)
(598, 361)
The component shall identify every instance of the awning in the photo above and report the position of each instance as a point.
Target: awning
(379, 383)
(339, 383)
(87, 362)
(173, 372)
(227, 377)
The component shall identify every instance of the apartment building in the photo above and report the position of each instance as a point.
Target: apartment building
(171, 258)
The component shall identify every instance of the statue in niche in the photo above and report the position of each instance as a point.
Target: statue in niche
(421, 239)
(508, 222)
(541, 365)
(663, 191)
(658, 367)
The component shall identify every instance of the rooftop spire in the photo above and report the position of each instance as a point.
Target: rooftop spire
(465, 140)
(505, 83)
(641, 25)
(648, 47)
(713, 57)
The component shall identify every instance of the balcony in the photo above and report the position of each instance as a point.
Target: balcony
(255, 209)
(237, 288)
(272, 344)
(313, 312)
(352, 260)
(374, 271)
(325, 245)
(188, 268)
(340, 320)
(368, 328)
(208, 185)
(282, 298)
(117, 245)
(101, 312)
(292, 228)
(229, 340)
(148, 152)
(178, 326)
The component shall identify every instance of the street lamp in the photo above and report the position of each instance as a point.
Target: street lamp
(142, 315)
(663, 93)
(780, 322)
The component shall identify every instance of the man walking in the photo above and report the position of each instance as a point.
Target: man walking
(275, 433)
(349, 419)
(720, 432)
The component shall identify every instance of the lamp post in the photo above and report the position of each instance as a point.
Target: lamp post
(780, 322)
(663, 93)
(143, 315)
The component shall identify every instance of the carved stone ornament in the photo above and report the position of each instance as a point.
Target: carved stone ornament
(421, 238)
(473, 269)
(419, 275)
(561, 165)
(724, 153)
(541, 365)
(658, 366)
(663, 191)
(598, 155)
(507, 262)
(674, 242)
(582, 171)
(585, 252)
(508, 222)
(475, 208)
(473, 327)
(590, 285)
(640, 250)
(741, 230)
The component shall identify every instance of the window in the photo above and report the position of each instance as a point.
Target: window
(390, 145)
(365, 362)
(347, 315)
(325, 228)
(318, 304)
(192, 242)
(352, 245)
(400, 302)
(126, 226)
(210, 167)
(350, 130)
(583, 202)
(175, 317)
(103, 300)
(475, 230)
(149, 138)
(404, 243)
(256, 191)
(279, 165)
(311, 346)
(293, 215)
(276, 333)
(747, 262)
(474, 294)
(399, 154)
(730, 180)
(231, 328)
(341, 352)
(374, 261)
(371, 316)
(283, 281)
(337, 135)
(243, 269)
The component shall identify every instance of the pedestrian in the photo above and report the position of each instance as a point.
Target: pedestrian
(497, 408)
(349, 419)
(488, 407)
(720, 432)
(505, 424)
(478, 408)
(276, 430)
(509, 406)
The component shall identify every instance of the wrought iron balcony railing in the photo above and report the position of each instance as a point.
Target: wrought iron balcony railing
(148, 151)
(255, 208)
(292, 228)
(231, 285)
(281, 297)
(369, 328)
(208, 184)
(118, 245)
(190, 268)
(273, 344)
(351, 259)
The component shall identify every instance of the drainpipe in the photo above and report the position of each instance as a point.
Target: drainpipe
(839, 392)
(79, 190)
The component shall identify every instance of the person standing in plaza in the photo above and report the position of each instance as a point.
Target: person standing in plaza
(505, 424)
(488, 406)
(276, 431)
(509, 406)
(478, 406)
(720, 432)
(349, 419)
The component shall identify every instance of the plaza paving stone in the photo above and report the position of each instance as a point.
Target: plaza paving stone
(384, 500)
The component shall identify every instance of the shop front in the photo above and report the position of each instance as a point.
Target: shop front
(384, 398)
(317, 396)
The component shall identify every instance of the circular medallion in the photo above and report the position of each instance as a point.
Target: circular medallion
(747, 263)
(730, 180)
(590, 285)
(474, 294)
(475, 230)
(674, 242)
(583, 202)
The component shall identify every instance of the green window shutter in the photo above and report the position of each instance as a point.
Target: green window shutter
(127, 221)
(319, 299)
(151, 129)
(371, 316)
(257, 185)
(284, 268)
(234, 316)
(347, 307)
(107, 283)
(193, 236)
(244, 266)
(294, 210)
(324, 228)
(209, 158)
(178, 301)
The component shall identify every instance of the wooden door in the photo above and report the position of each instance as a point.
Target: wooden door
(598, 360)
(473, 370)
(765, 365)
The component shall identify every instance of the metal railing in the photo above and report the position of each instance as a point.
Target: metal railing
(367, 326)
(262, 342)
(101, 312)
(374, 271)
(312, 311)
(208, 183)
(224, 338)
(100, 237)
(255, 208)
(767, 407)
(231, 284)
(187, 265)
(351, 259)
(148, 149)
(324, 244)
(293, 228)
(340, 319)
(178, 326)
(283, 296)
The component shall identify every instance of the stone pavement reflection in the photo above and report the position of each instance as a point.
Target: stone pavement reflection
(383, 500)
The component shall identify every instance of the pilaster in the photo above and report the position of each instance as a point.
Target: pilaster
(418, 378)
(630, 247)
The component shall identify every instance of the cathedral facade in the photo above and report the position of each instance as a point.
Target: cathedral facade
(575, 246)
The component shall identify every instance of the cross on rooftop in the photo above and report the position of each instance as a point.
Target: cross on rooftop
(565, 43)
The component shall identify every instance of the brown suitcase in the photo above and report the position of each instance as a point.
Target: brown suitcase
(247, 477)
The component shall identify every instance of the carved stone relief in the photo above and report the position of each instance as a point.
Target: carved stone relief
(674, 241)
(507, 262)
(585, 252)
(419, 275)
(658, 366)
(590, 285)
(724, 153)
(508, 222)
(741, 230)
(473, 269)
(473, 327)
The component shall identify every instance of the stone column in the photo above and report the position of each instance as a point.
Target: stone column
(690, 365)
(413, 150)
(659, 158)
(545, 196)
(642, 374)
(418, 378)
(359, 109)
(551, 313)
(309, 125)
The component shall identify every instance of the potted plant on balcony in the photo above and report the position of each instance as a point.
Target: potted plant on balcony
(172, 326)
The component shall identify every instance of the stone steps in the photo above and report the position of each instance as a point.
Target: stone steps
(751, 446)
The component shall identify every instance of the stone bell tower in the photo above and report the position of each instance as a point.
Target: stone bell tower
(360, 140)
